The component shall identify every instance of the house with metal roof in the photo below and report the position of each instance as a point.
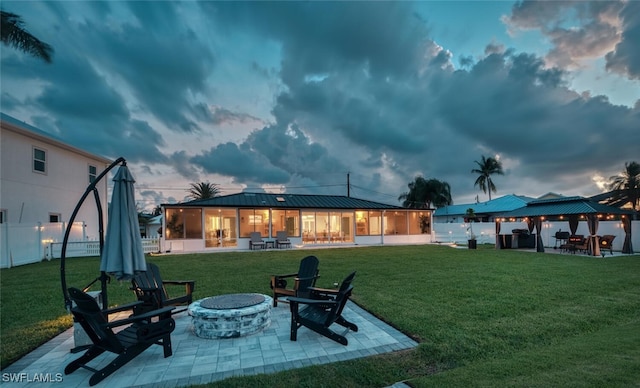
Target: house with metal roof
(229, 221)
(484, 211)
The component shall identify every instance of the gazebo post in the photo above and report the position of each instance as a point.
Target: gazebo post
(627, 247)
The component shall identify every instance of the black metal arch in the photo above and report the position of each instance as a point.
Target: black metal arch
(104, 278)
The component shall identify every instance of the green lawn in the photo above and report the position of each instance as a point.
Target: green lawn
(483, 317)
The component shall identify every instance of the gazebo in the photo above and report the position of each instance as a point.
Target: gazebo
(572, 209)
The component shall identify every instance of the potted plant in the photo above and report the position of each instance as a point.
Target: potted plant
(471, 242)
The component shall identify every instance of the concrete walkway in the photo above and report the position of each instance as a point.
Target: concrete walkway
(199, 361)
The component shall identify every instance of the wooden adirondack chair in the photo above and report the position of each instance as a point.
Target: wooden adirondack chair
(302, 280)
(151, 290)
(318, 314)
(143, 330)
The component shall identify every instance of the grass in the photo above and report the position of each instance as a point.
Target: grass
(483, 318)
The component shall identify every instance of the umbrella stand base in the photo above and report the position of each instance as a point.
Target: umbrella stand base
(81, 340)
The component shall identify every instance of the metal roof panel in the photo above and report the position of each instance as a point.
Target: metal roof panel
(299, 201)
(563, 206)
(498, 205)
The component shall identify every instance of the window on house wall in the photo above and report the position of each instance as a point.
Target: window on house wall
(175, 224)
(39, 160)
(54, 217)
(292, 223)
(254, 220)
(93, 173)
(419, 222)
(415, 220)
(362, 223)
(375, 223)
(369, 223)
(220, 227)
(193, 223)
(183, 224)
(335, 226)
(288, 220)
(3, 216)
(308, 227)
(395, 222)
(323, 231)
(346, 228)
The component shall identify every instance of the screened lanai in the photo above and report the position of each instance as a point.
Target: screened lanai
(229, 221)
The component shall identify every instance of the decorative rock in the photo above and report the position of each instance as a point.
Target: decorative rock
(235, 315)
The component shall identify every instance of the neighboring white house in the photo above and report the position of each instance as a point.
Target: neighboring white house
(41, 181)
(152, 227)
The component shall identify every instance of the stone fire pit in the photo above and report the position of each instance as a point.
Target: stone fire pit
(230, 315)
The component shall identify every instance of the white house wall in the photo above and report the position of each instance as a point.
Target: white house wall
(29, 197)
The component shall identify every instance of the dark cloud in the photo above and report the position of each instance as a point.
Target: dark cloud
(416, 116)
(241, 163)
(94, 118)
(181, 162)
(151, 198)
(75, 98)
(329, 35)
(354, 87)
(289, 149)
(625, 59)
(9, 102)
(220, 115)
(512, 106)
(144, 55)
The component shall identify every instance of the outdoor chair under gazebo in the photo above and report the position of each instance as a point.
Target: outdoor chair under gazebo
(572, 209)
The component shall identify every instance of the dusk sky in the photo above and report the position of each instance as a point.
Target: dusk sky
(292, 96)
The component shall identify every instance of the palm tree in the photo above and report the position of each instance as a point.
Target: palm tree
(488, 166)
(13, 34)
(203, 190)
(627, 185)
(425, 192)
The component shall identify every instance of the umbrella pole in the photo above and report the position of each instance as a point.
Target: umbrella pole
(104, 279)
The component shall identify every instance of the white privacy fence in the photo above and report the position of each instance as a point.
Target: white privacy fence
(450, 233)
(21, 244)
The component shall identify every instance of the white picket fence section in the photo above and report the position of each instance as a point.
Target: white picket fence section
(26, 244)
(92, 248)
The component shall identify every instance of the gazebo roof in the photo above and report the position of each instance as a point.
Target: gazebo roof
(498, 205)
(564, 206)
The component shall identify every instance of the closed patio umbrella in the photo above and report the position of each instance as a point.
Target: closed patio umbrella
(104, 278)
(123, 255)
